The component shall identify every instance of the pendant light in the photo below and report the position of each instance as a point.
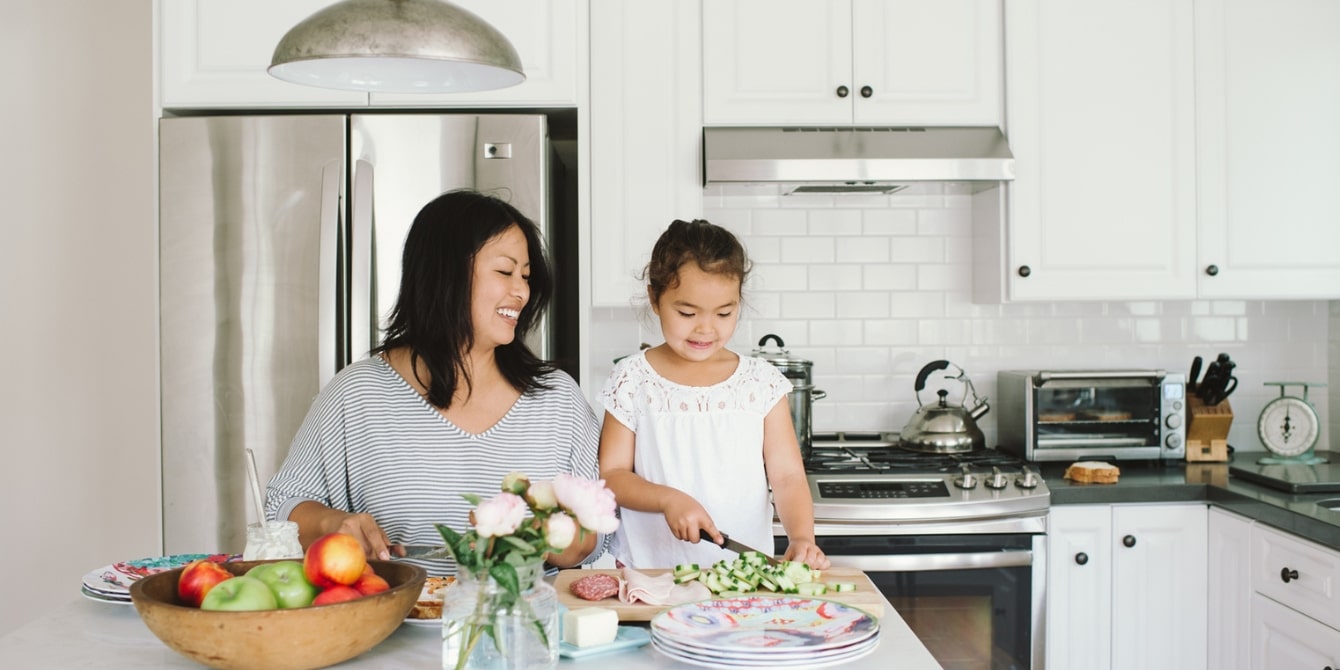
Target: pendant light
(397, 46)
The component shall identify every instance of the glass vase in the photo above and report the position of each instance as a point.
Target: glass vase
(484, 627)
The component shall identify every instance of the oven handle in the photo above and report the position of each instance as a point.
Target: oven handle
(926, 562)
(1044, 377)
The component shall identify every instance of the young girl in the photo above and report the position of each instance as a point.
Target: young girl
(694, 433)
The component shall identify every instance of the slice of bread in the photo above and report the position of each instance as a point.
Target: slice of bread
(1093, 472)
(431, 597)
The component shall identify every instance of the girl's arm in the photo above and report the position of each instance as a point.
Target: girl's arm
(790, 489)
(683, 514)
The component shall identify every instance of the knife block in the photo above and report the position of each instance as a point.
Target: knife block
(1207, 430)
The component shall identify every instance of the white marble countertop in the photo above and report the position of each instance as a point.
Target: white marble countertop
(84, 633)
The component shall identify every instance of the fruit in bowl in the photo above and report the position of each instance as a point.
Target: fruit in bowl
(298, 638)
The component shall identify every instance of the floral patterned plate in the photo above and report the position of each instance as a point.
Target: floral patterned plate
(763, 625)
(113, 581)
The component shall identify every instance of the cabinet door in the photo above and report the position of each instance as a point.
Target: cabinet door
(1101, 111)
(214, 53)
(1283, 639)
(549, 36)
(646, 126)
(770, 62)
(1268, 96)
(1228, 564)
(1158, 586)
(927, 63)
(1079, 586)
(1302, 575)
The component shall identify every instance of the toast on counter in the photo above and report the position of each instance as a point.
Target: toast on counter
(1093, 472)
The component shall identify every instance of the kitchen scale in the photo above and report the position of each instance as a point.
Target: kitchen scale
(1289, 429)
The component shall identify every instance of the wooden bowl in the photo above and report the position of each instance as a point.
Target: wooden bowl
(291, 639)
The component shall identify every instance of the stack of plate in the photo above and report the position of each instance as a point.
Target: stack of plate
(111, 583)
(765, 632)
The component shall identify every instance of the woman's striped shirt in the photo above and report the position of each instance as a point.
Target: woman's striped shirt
(371, 443)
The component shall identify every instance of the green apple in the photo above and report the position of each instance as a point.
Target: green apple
(240, 594)
(288, 582)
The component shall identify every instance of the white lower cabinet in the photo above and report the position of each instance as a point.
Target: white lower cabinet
(1229, 568)
(1296, 604)
(1283, 639)
(1126, 586)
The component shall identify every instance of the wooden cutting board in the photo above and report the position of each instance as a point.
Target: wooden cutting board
(866, 597)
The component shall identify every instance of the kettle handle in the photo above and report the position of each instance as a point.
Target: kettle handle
(926, 373)
(764, 340)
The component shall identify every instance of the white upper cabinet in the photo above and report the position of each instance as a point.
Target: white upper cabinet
(1100, 103)
(646, 128)
(1268, 101)
(844, 62)
(214, 53)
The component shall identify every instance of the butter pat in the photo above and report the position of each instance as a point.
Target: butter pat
(590, 626)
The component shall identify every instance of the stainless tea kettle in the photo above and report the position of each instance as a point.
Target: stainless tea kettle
(944, 428)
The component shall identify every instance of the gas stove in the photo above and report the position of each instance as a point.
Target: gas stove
(867, 479)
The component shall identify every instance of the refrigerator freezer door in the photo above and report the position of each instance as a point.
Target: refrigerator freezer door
(249, 308)
(406, 161)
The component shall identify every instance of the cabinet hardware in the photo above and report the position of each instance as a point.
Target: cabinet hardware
(1129, 540)
(1212, 270)
(866, 91)
(1287, 575)
(842, 91)
(1081, 558)
(1024, 271)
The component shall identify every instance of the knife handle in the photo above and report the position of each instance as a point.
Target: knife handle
(704, 535)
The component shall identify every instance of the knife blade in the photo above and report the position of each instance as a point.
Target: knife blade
(738, 547)
(422, 551)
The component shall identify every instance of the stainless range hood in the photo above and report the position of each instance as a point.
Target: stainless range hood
(856, 160)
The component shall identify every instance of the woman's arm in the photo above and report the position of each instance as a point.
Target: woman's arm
(683, 513)
(790, 488)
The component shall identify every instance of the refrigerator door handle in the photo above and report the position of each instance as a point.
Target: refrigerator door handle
(362, 313)
(329, 358)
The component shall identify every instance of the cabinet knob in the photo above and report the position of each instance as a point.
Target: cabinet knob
(1129, 540)
(1081, 558)
(842, 91)
(1212, 270)
(866, 91)
(1288, 575)
(1024, 271)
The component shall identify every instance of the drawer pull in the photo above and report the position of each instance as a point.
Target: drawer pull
(1129, 540)
(1287, 575)
(1081, 558)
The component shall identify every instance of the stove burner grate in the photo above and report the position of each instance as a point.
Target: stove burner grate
(891, 459)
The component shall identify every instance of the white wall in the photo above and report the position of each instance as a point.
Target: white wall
(871, 288)
(78, 407)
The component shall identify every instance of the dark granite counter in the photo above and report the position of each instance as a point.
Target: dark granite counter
(1210, 483)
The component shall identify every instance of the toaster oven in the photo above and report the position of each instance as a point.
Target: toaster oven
(1069, 415)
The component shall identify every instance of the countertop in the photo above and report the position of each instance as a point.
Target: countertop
(1144, 481)
(87, 634)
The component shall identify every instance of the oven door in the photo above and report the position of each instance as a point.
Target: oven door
(975, 601)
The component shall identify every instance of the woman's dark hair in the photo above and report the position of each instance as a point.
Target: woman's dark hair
(432, 314)
(713, 248)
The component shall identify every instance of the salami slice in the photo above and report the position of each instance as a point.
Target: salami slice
(595, 587)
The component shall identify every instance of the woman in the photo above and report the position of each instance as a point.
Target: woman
(451, 401)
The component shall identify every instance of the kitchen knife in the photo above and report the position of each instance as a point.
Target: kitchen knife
(1195, 372)
(422, 551)
(738, 547)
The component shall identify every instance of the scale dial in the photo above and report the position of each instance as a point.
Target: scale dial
(1288, 426)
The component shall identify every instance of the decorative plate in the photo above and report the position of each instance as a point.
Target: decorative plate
(763, 624)
(810, 660)
(787, 656)
(115, 579)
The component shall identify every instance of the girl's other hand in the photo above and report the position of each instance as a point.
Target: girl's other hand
(688, 520)
(806, 551)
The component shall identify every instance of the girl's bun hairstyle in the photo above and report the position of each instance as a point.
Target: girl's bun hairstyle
(713, 248)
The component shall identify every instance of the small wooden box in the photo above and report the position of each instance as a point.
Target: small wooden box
(1207, 430)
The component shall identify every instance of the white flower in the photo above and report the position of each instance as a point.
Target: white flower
(500, 515)
(589, 501)
(559, 530)
(540, 495)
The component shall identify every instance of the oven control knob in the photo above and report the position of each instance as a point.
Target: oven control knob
(1028, 480)
(1174, 421)
(1174, 441)
(997, 479)
(967, 480)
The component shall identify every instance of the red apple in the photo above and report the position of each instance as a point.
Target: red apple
(370, 582)
(240, 594)
(334, 559)
(196, 580)
(337, 594)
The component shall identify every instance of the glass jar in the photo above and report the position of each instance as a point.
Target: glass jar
(484, 627)
(271, 540)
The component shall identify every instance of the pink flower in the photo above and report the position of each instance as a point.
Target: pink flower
(541, 496)
(500, 515)
(589, 501)
(559, 530)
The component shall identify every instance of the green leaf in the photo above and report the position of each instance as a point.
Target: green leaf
(521, 545)
(505, 574)
(472, 498)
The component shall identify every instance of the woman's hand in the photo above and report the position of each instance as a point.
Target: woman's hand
(806, 551)
(365, 529)
(687, 518)
(315, 520)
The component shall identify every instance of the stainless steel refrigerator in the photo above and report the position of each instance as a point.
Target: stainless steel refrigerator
(280, 241)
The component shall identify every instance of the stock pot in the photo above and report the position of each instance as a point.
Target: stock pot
(802, 394)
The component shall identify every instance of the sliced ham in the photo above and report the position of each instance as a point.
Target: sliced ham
(661, 589)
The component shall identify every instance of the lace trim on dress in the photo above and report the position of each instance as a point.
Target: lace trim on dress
(754, 387)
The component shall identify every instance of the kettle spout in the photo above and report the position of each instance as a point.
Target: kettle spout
(980, 410)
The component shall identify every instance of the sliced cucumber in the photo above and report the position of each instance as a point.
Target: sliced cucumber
(686, 568)
(841, 587)
(686, 577)
(797, 572)
(811, 589)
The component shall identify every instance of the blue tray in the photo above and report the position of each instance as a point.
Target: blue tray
(629, 637)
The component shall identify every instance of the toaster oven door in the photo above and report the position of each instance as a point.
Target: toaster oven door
(1099, 414)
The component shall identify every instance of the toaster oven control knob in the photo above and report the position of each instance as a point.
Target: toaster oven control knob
(1028, 480)
(1174, 421)
(967, 480)
(1174, 441)
(997, 479)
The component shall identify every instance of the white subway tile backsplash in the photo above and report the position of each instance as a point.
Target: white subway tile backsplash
(872, 288)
